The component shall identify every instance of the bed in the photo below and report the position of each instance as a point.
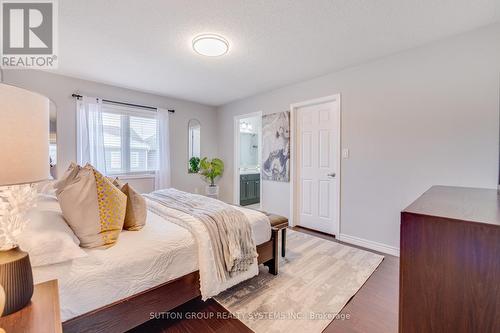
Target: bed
(147, 271)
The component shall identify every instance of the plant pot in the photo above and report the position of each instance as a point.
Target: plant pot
(212, 191)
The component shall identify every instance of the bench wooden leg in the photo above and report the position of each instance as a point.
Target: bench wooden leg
(283, 242)
(273, 266)
(273, 263)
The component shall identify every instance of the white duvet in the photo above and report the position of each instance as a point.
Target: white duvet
(160, 252)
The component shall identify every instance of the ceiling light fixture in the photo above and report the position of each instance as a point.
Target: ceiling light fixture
(210, 45)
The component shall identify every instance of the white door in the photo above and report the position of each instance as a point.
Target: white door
(318, 159)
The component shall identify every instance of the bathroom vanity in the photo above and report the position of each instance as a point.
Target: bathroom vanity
(249, 188)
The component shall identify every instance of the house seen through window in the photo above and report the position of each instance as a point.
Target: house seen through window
(130, 140)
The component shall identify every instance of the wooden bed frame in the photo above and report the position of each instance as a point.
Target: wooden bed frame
(132, 311)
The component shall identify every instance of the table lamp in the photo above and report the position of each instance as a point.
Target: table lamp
(24, 160)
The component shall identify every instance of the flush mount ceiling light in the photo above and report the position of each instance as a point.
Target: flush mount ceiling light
(210, 45)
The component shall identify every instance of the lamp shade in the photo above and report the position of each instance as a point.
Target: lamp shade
(24, 136)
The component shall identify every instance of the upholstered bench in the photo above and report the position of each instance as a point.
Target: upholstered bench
(278, 223)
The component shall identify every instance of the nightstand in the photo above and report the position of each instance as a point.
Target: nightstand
(41, 315)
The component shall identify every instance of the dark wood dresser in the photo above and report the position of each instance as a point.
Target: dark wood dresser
(450, 262)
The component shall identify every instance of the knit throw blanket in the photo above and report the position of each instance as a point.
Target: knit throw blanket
(228, 228)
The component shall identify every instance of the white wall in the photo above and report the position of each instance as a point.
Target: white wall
(59, 89)
(421, 117)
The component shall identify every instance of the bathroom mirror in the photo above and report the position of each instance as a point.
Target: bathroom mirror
(194, 145)
(53, 139)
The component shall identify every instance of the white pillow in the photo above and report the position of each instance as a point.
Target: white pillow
(47, 238)
(47, 187)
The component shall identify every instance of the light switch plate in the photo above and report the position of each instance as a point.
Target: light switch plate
(345, 153)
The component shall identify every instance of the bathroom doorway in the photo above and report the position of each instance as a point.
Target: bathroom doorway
(248, 138)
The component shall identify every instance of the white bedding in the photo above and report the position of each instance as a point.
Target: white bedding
(160, 252)
(211, 282)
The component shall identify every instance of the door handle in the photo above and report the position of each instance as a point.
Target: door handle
(331, 175)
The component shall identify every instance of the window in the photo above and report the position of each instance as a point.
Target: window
(130, 140)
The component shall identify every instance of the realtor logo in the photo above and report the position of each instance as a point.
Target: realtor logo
(29, 33)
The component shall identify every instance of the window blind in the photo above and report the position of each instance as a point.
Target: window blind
(130, 140)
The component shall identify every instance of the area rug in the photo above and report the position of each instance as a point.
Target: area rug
(316, 280)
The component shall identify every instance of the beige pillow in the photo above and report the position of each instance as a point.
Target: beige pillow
(68, 176)
(135, 217)
(93, 207)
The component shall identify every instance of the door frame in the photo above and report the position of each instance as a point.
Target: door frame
(295, 164)
(236, 156)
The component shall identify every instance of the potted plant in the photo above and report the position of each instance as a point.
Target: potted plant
(211, 170)
(194, 164)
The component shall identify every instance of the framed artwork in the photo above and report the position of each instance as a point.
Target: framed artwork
(276, 147)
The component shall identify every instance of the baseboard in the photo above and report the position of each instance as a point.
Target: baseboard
(369, 244)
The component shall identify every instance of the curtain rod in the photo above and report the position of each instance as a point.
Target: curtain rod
(123, 103)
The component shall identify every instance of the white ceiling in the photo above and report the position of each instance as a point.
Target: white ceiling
(146, 45)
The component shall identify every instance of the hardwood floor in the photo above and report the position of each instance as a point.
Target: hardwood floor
(210, 318)
(373, 309)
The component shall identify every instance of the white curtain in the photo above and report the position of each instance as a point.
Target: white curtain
(162, 177)
(90, 133)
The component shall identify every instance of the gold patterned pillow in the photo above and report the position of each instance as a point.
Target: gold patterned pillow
(93, 207)
(112, 205)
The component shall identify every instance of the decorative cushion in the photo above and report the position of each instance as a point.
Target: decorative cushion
(135, 217)
(68, 176)
(93, 207)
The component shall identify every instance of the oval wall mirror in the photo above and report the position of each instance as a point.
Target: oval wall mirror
(194, 145)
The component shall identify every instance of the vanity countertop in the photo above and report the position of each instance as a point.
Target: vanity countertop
(250, 172)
